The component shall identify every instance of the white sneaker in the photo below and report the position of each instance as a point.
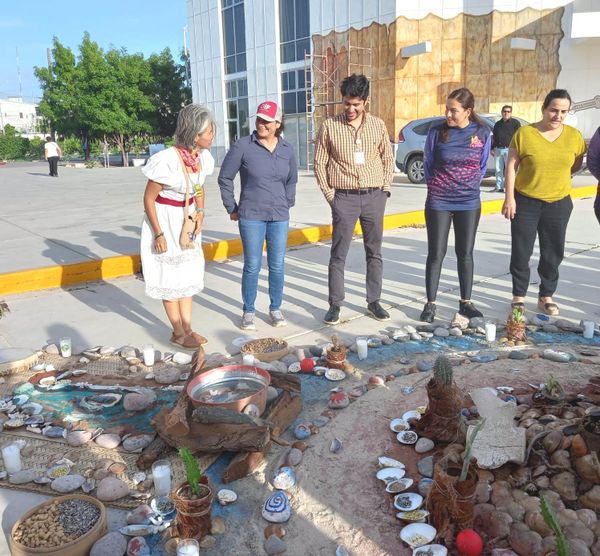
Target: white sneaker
(248, 321)
(277, 318)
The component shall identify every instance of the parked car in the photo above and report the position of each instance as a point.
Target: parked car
(411, 143)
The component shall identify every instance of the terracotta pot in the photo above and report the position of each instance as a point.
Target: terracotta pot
(193, 519)
(79, 546)
(336, 358)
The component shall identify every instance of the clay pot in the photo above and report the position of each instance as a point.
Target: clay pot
(193, 515)
(336, 357)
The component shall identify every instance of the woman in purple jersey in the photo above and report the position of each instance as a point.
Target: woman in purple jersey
(456, 154)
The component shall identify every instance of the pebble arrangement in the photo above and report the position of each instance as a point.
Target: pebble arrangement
(57, 524)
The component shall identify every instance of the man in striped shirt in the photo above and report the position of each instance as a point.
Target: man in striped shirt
(354, 166)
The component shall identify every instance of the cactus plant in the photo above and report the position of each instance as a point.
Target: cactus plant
(468, 449)
(442, 371)
(562, 549)
(192, 470)
(516, 314)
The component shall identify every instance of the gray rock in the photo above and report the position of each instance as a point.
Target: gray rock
(128, 352)
(426, 327)
(550, 328)
(387, 341)
(279, 366)
(425, 466)
(137, 442)
(22, 477)
(274, 545)
(441, 332)
(399, 335)
(455, 331)
(426, 335)
(316, 351)
(271, 393)
(415, 336)
(294, 457)
(108, 440)
(458, 321)
(556, 356)
(518, 355)
(477, 322)
(51, 349)
(425, 486)
(409, 329)
(425, 365)
(167, 375)
(289, 359)
(139, 401)
(320, 421)
(111, 544)
(182, 358)
(78, 438)
(111, 488)
(424, 445)
(67, 483)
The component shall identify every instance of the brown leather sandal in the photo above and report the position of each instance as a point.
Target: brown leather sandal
(549, 308)
(200, 339)
(185, 342)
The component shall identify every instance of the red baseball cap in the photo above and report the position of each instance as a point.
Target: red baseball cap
(269, 111)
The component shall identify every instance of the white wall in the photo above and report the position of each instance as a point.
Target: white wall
(21, 115)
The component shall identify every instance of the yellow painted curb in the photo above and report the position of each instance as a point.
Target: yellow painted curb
(125, 265)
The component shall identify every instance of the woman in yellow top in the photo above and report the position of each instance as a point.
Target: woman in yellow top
(541, 158)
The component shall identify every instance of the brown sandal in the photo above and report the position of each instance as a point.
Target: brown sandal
(200, 339)
(185, 342)
(548, 308)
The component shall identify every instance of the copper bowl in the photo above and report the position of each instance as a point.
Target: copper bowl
(231, 375)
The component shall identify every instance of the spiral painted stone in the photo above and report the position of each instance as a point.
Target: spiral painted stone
(277, 508)
(284, 478)
(301, 431)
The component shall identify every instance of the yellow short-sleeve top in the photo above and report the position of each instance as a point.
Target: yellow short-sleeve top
(544, 171)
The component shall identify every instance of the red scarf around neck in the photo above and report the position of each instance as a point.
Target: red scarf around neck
(191, 160)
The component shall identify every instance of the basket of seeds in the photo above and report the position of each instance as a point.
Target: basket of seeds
(65, 526)
(266, 349)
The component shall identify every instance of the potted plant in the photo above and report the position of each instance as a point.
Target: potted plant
(451, 498)
(443, 420)
(551, 392)
(192, 500)
(336, 354)
(516, 326)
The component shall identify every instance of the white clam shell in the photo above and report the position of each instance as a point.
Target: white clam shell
(415, 516)
(294, 367)
(395, 487)
(226, 496)
(407, 437)
(431, 550)
(418, 534)
(413, 414)
(390, 474)
(335, 374)
(384, 461)
(398, 425)
(415, 501)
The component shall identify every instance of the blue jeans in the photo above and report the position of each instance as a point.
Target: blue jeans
(501, 156)
(253, 234)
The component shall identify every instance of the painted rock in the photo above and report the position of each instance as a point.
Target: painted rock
(338, 400)
(320, 421)
(424, 445)
(22, 477)
(137, 442)
(302, 431)
(67, 483)
(138, 547)
(307, 365)
(111, 488)
(167, 375)
(277, 508)
(284, 478)
(108, 440)
(111, 544)
(139, 401)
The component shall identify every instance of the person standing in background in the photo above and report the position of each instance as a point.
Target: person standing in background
(52, 153)
(504, 129)
(593, 164)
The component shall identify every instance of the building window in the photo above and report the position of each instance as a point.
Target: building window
(294, 91)
(294, 20)
(234, 35)
(238, 116)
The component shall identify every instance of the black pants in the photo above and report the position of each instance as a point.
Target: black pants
(597, 206)
(348, 207)
(53, 163)
(549, 221)
(438, 227)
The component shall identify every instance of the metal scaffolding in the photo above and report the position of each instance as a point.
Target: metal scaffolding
(323, 74)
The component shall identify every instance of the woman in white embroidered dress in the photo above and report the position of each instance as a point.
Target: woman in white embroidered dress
(171, 273)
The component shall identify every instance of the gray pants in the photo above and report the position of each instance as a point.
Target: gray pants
(369, 207)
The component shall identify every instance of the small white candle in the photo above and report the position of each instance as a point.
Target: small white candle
(490, 331)
(65, 347)
(148, 354)
(161, 475)
(588, 329)
(188, 547)
(11, 455)
(248, 359)
(362, 348)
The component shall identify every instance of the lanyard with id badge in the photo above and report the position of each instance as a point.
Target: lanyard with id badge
(359, 154)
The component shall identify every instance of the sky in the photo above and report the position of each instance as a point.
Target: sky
(28, 26)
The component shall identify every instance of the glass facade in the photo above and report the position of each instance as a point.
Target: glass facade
(294, 21)
(238, 116)
(294, 92)
(234, 36)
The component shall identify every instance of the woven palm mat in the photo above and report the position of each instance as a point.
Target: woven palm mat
(46, 451)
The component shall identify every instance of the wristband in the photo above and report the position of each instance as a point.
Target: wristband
(199, 210)
(198, 190)
(159, 234)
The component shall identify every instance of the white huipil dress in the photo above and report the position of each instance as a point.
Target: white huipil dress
(178, 272)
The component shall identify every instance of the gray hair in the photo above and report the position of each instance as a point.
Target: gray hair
(192, 120)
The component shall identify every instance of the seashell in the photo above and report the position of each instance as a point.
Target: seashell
(407, 437)
(414, 414)
(35, 420)
(390, 474)
(394, 487)
(91, 355)
(384, 461)
(335, 446)
(319, 370)
(50, 367)
(21, 399)
(32, 408)
(98, 402)
(66, 374)
(88, 485)
(418, 534)
(277, 507)
(431, 550)
(284, 478)
(226, 496)
(54, 432)
(14, 422)
(374, 342)
(138, 530)
(138, 477)
(294, 367)
(335, 375)
(59, 470)
(408, 501)
(184, 376)
(42, 480)
(398, 425)
(79, 372)
(34, 429)
(414, 516)
(39, 367)
(149, 376)
(47, 381)
(252, 410)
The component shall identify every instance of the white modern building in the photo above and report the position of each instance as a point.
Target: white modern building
(21, 115)
(415, 51)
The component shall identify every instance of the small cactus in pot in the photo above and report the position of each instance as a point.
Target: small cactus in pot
(442, 371)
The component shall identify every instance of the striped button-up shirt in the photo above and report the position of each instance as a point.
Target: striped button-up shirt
(335, 162)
